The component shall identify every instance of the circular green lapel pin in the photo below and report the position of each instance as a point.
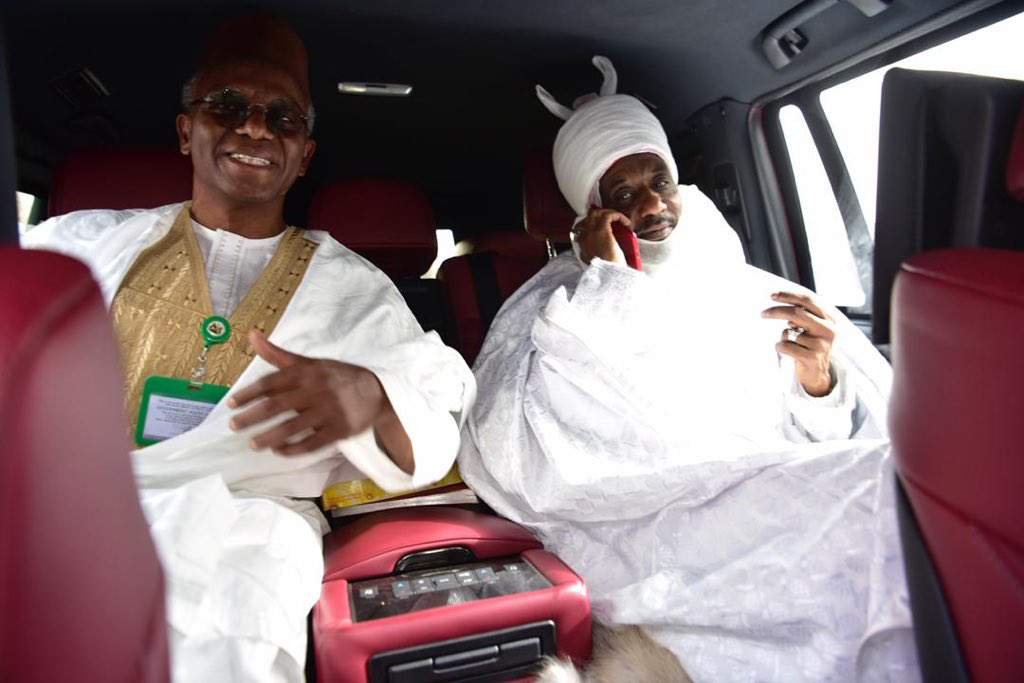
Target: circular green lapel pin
(216, 330)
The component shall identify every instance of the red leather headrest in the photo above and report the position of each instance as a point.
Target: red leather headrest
(120, 179)
(546, 214)
(1015, 165)
(388, 222)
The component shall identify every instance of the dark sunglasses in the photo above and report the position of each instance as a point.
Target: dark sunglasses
(231, 109)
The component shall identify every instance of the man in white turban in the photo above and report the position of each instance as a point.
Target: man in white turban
(716, 467)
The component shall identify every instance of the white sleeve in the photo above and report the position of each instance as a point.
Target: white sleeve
(430, 388)
(824, 418)
(76, 234)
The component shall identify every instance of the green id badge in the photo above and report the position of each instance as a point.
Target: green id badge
(170, 407)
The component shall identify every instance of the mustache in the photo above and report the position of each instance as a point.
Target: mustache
(246, 145)
(651, 221)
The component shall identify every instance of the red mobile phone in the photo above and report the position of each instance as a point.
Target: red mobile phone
(627, 242)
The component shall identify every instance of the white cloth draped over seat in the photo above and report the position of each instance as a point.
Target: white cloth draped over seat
(644, 426)
(242, 558)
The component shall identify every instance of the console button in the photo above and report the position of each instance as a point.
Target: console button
(445, 581)
(486, 574)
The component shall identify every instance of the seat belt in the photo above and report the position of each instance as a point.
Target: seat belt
(485, 285)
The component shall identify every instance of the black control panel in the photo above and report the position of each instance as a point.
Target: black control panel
(478, 658)
(413, 591)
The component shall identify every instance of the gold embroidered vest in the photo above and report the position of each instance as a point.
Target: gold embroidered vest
(165, 296)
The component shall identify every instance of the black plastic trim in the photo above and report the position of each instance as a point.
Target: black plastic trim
(791, 216)
(492, 656)
(782, 40)
(433, 558)
(938, 647)
(8, 186)
(485, 286)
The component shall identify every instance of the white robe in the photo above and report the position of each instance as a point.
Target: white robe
(645, 428)
(242, 558)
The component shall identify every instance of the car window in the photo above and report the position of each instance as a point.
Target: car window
(852, 111)
(445, 250)
(28, 209)
(835, 271)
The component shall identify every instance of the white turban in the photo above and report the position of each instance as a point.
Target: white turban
(601, 130)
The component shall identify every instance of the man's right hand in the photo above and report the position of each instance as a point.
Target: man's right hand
(594, 235)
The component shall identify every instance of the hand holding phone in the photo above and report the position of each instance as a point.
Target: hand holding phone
(604, 233)
(627, 242)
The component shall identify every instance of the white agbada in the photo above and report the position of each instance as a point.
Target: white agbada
(242, 558)
(644, 426)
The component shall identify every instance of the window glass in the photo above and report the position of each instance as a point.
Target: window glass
(445, 250)
(835, 273)
(26, 207)
(852, 109)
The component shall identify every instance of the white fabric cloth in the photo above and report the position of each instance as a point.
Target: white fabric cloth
(242, 572)
(645, 428)
(600, 131)
(233, 264)
(243, 562)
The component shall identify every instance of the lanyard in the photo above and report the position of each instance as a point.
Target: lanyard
(215, 330)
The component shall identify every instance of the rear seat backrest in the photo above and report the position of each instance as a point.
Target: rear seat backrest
(120, 179)
(957, 322)
(389, 223)
(958, 319)
(81, 589)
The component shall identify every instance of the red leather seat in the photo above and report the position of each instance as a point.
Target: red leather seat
(958, 324)
(120, 179)
(546, 214)
(477, 284)
(81, 589)
(387, 222)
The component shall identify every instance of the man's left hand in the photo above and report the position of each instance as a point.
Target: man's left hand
(807, 340)
(332, 401)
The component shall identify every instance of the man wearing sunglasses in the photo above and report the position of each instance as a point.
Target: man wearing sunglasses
(247, 127)
(351, 386)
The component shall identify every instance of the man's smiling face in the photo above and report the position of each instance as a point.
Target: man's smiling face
(248, 165)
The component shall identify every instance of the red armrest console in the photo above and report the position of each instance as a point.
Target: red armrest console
(425, 595)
